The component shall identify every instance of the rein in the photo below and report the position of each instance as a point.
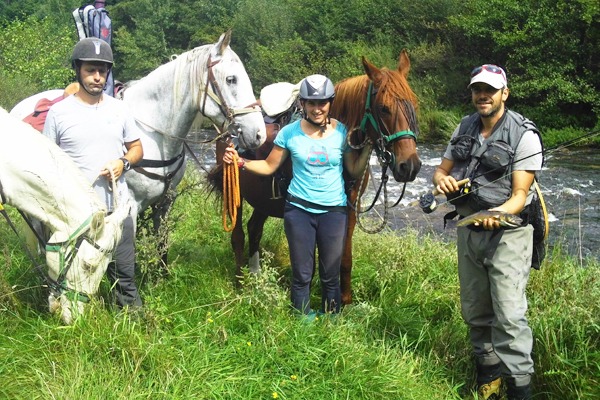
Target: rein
(385, 157)
(231, 194)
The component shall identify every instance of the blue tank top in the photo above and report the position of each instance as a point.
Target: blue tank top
(317, 165)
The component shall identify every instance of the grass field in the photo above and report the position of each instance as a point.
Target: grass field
(202, 338)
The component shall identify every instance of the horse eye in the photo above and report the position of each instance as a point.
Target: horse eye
(231, 80)
(384, 109)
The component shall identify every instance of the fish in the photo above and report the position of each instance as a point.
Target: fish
(506, 220)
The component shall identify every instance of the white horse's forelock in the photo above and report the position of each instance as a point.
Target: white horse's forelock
(198, 73)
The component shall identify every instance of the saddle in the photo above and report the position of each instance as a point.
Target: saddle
(37, 118)
(279, 102)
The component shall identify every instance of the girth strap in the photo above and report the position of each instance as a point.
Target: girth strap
(158, 163)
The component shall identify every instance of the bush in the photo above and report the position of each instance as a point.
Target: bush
(34, 56)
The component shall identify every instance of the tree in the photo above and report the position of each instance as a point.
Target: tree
(35, 55)
(550, 50)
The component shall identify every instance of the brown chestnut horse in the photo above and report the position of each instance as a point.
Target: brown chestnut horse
(379, 105)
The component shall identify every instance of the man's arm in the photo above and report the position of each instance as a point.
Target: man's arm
(135, 151)
(134, 154)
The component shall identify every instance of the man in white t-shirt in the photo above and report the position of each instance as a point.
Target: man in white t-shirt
(101, 136)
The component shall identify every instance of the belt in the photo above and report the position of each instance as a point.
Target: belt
(293, 199)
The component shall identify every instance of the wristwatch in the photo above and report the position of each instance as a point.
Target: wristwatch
(126, 164)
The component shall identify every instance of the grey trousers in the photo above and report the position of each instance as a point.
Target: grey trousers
(121, 272)
(493, 269)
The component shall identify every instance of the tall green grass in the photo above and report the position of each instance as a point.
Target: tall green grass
(202, 337)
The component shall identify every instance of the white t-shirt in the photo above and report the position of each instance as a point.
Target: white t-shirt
(92, 135)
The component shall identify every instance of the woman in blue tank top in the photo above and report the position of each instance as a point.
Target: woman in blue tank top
(315, 212)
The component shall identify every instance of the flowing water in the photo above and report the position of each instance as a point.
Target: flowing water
(570, 183)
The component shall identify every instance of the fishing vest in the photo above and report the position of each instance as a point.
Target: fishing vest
(489, 165)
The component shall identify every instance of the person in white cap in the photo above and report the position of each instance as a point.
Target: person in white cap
(500, 151)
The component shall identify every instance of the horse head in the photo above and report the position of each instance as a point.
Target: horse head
(77, 262)
(385, 113)
(227, 97)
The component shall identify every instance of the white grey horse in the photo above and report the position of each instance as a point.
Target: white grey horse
(39, 179)
(209, 81)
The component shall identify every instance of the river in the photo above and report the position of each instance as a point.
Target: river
(570, 183)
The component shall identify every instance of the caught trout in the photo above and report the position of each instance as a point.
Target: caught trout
(506, 220)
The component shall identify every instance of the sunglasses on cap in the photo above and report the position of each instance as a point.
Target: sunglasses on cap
(489, 68)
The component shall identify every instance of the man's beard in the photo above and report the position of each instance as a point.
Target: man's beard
(491, 113)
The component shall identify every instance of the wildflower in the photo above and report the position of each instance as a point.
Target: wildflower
(249, 343)
(293, 377)
(275, 395)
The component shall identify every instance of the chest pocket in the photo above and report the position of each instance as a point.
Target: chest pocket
(461, 147)
(492, 184)
(497, 157)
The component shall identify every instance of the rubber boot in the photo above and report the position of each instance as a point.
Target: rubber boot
(489, 382)
(514, 392)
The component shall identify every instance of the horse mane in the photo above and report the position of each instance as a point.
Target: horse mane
(198, 70)
(351, 94)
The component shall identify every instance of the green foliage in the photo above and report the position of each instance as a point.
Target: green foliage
(437, 126)
(35, 53)
(549, 48)
(140, 37)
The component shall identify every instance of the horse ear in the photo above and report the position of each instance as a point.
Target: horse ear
(223, 42)
(404, 63)
(371, 70)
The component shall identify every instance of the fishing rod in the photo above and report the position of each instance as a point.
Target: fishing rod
(428, 203)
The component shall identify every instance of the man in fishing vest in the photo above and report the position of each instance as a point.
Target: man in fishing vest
(500, 152)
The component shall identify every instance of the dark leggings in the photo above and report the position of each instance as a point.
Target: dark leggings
(305, 233)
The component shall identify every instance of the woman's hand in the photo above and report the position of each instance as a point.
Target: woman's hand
(230, 154)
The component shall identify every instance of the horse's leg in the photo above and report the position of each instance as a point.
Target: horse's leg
(255, 232)
(160, 213)
(237, 242)
(346, 267)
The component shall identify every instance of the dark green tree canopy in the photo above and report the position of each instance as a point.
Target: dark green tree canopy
(549, 48)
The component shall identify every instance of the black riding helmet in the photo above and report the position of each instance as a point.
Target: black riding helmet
(91, 50)
(316, 87)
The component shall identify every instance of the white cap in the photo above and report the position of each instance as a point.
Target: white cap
(491, 74)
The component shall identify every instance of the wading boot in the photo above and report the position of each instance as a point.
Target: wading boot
(514, 392)
(489, 382)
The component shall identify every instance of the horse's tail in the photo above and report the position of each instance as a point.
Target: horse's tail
(214, 179)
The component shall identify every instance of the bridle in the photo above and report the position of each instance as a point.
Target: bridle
(67, 251)
(382, 141)
(230, 128)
